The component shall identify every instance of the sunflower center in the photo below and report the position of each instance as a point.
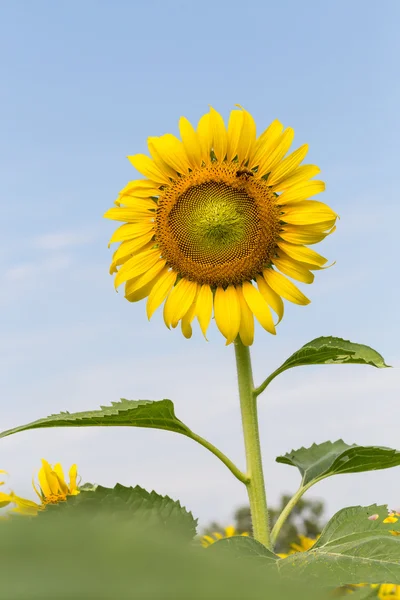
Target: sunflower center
(54, 498)
(213, 223)
(213, 227)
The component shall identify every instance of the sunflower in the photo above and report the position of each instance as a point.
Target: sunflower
(220, 221)
(53, 488)
(228, 532)
(305, 543)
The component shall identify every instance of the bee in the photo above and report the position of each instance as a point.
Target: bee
(245, 173)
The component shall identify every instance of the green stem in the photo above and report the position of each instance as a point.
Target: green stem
(259, 390)
(286, 512)
(231, 466)
(255, 484)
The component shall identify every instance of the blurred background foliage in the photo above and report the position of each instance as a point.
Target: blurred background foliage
(307, 518)
(119, 558)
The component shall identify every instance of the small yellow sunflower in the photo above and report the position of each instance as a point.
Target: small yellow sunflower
(389, 591)
(230, 531)
(305, 543)
(53, 488)
(220, 221)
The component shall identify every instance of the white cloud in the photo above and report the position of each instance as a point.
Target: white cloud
(64, 239)
(31, 270)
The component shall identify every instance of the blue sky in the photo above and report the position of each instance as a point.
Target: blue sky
(83, 85)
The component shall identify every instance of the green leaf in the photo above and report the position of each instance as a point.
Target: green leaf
(334, 351)
(148, 510)
(104, 558)
(129, 413)
(333, 458)
(353, 548)
(241, 546)
(133, 413)
(328, 351)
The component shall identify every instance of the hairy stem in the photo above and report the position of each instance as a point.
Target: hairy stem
(259, 390)
(286, 512)
(255, 484)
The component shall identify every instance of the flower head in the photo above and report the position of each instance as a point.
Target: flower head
(389, 591)
(230, 531)
(220, 221)
(53, 487)
(304, 544)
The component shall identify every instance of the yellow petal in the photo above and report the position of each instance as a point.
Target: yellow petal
(204, 135)
(160, 290)
(293, 269)
(187, 319)
(121, 261)
(301, 191)
(135, 284)
(141, 292)
(73, 474)
(227, 312)
(258, 306)
(190, 142)
(313, 267)
(218, 133)
(131, 230)
(284, 287)
(131, 246)
(246, 329)
(47, 479)
(204, 307)
(24, 506)
(148, 168)
(43, 480)
(131, 214)
(247, 138)
(166, 168)
(285, 168)
(59, 471)
(139, 203)
(271, 297)
(324, 226)
(299, 175)
(300, 235)
(5, 499)
(143, 188)
(172, 152)
(137, 265)
(179, 301)
(303, 254)
(266, 143)
(207, 540)
(235, 127)
(272, 160)
(310, 234)
(307, 212)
